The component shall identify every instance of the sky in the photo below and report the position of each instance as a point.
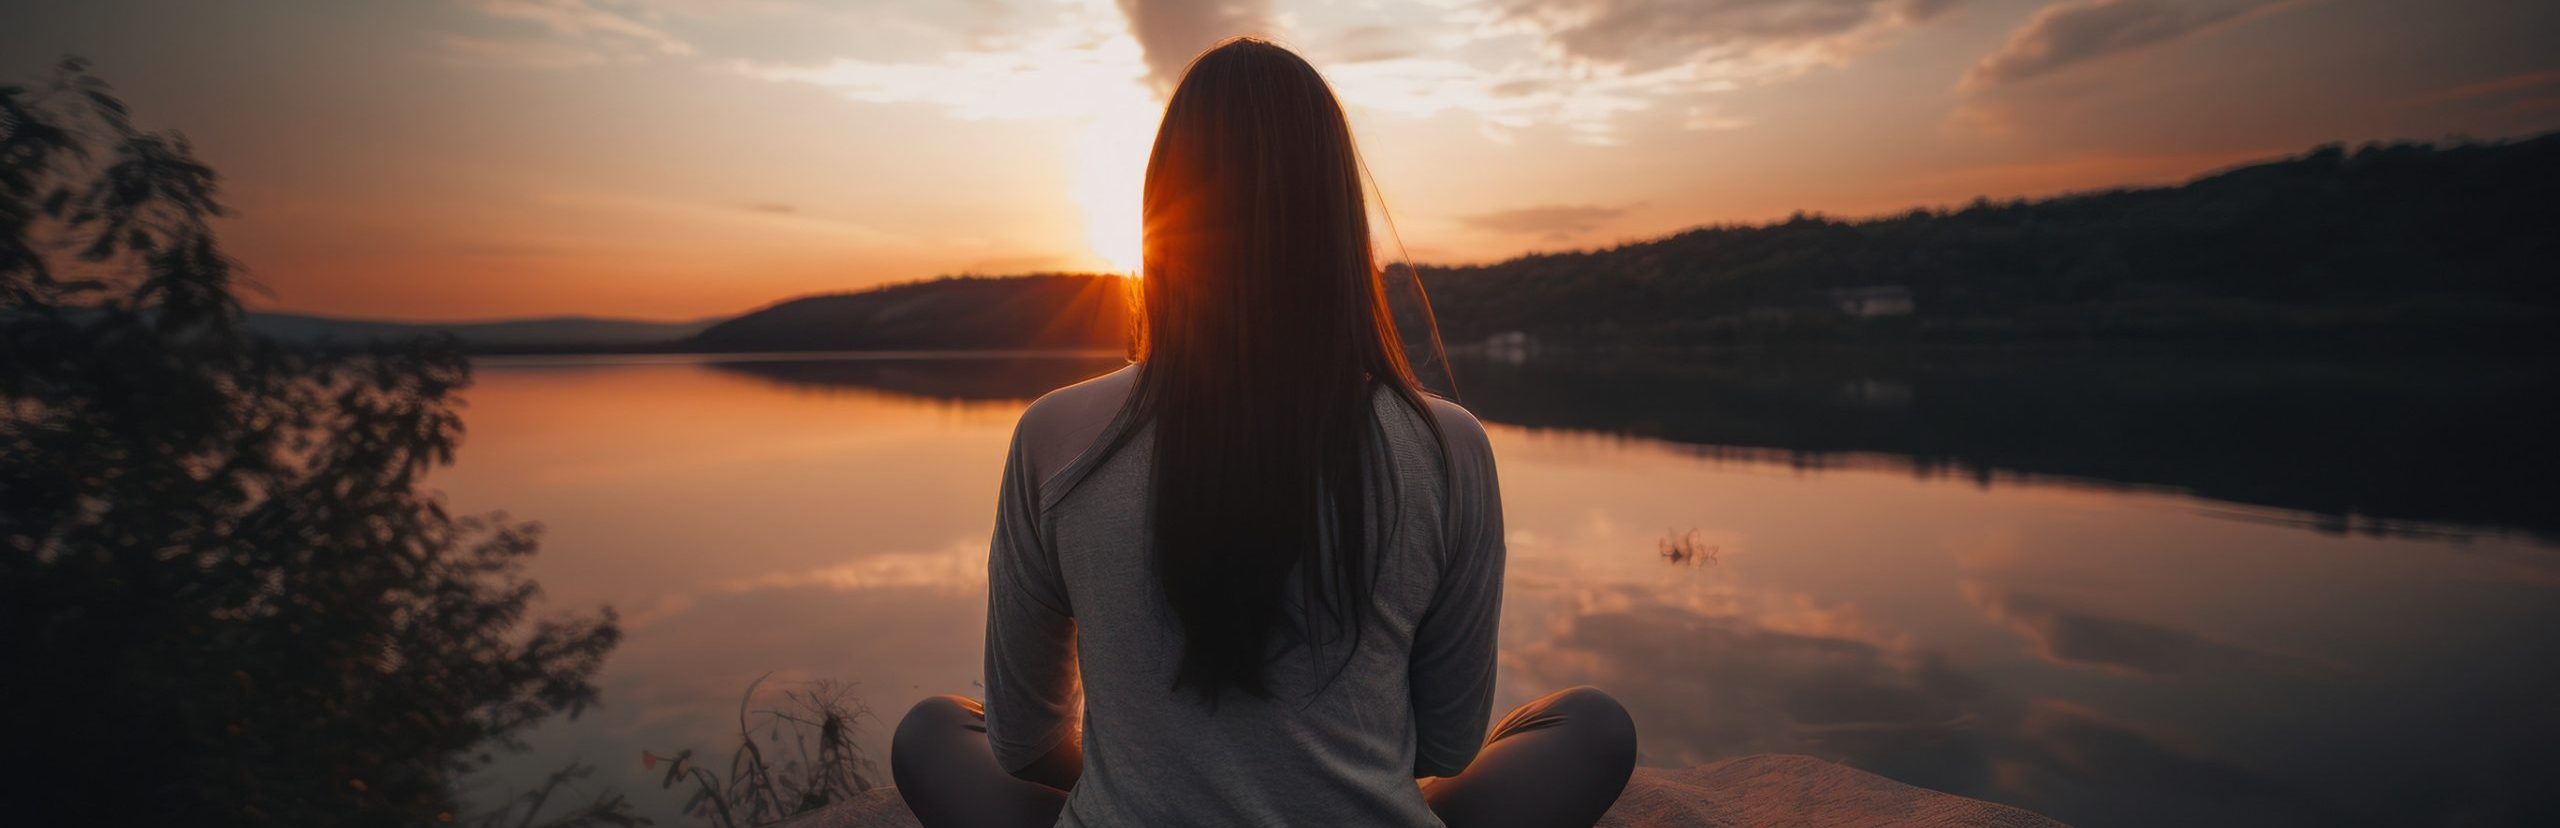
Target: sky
(680, 159)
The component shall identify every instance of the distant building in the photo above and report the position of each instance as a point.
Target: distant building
(1873, 301)
(1875, 392)
(1514, 347)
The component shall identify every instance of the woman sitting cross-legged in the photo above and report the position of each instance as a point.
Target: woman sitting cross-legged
(1253, 578)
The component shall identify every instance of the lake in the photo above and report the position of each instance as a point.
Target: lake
(2117, 590)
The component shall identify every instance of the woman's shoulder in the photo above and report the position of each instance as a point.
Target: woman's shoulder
(1460, 434)
(1061, 424)
(1457, 424)
(1105, 391)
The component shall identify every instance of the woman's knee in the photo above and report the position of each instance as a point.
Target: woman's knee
(945, 708)
(930, 725)
(1560, 760)
(1594, 712)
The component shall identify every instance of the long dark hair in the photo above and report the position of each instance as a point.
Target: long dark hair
(1264, 339)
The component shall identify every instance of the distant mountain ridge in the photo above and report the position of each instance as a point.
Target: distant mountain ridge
(550, 332)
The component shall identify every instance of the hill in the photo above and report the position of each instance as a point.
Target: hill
(1045, 311)
(2416, 244)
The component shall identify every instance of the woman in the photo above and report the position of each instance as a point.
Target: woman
(1254, 578)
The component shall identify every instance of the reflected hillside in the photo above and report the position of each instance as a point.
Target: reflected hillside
(960, 378)
(2365, 447)
(2412, 447)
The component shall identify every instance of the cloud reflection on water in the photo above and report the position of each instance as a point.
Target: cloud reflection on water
(2064, 635)
(1707, 682)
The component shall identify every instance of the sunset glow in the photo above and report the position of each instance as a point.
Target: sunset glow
(2109, 413)
(1110, 171)
(673, 159)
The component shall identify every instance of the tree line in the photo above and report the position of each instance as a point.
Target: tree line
(2404, 246)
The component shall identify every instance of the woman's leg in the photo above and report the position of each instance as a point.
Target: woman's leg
(948, 774)
(1558, 761)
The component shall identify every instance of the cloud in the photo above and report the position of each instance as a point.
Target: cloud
(1582, 67)
(1705, 118)
(528, 53)
(513, 249)
(1361, 44)
(1174, 31)
(1647, 34)
(1516, 97)
(627, 207)
(1583, 64)
(959, 568)
(1100, 59)
(579, 21)
(2078, 31)
(1555, 222)
(1006, 265)
(2495, 87)
(1084, 66)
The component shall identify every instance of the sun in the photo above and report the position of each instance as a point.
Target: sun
(1110, 173)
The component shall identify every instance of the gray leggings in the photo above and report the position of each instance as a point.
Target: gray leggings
(1557, 761)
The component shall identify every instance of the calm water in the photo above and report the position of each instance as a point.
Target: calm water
(2119, 591)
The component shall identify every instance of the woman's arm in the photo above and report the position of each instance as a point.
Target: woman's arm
(1060, 767)
(1033, 694)
(1456, 642)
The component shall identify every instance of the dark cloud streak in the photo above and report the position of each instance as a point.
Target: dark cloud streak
(1647, 34)
(2079, 31)
(1555, 222)
(1171, 32)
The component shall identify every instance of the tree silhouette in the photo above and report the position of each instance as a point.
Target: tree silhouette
(225, 597)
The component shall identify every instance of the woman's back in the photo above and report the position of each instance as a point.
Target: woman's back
(1337, 742)
(1255, 578)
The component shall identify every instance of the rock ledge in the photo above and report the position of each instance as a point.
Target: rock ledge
(1768, 789)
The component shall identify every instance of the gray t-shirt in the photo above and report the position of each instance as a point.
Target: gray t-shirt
(1078, 633)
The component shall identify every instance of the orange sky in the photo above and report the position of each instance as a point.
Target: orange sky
(674, 159)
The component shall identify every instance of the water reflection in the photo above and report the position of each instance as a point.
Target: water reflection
(2363, 447)
(2107, 655)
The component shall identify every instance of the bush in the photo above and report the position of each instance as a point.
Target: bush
(225, 597)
